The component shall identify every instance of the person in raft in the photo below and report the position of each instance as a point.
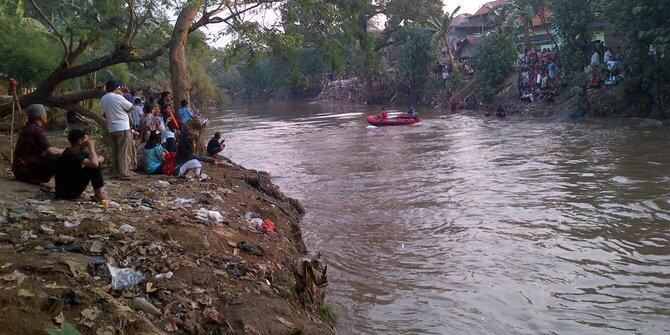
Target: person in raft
(78, 166)
(35, 160)
(215, 145)
(412, 113)
(384, 114)
(153, 154)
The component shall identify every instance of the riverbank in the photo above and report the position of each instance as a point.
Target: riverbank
(201, 275)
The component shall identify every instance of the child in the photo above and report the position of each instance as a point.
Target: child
(153, 154)
(215, 145)
(137, 113)
(78, 166)
(186, 161)
(184, 113)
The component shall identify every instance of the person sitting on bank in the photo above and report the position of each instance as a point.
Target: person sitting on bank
(153, 154)
(186, 161)
(184, 113)
(215, 145)
(78, 166)
(384, 114)
(35, 159)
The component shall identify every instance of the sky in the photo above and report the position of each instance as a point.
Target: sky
(467, 6)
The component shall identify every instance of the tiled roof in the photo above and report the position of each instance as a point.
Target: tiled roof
(486, 8)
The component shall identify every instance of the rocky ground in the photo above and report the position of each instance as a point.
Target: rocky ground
(195, 258)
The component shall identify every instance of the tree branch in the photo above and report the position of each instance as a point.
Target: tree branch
(66, 50)
(131, 22)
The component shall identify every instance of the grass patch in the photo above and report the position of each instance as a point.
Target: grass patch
(328, 312)
(65, 329)
(286, 292)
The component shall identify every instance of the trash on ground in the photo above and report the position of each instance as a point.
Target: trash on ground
(251, 249)
(126, 228)
(236, 270)
(209, 215)
(145, 305)
(166, 275)
(268, 226)
(124, 277)
(181, 202)
(163, 184)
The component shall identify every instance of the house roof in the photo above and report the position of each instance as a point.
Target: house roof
(460, 19)
(537, 21)
(487, 7)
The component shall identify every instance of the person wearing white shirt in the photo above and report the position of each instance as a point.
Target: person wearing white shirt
(595, 58)
(608, 56)
(117, 109)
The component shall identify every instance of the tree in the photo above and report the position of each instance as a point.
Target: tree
(495, 54)
(647, 79)
(416, 57)
(98, 35)
(441, 28)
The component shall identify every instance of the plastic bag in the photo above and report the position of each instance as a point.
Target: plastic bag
(124, 277)
(268, 226)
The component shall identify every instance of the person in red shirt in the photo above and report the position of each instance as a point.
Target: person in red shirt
(384, 114)
(169, 116)
(35, 160)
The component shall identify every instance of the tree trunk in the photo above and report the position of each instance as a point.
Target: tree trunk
(178, 62)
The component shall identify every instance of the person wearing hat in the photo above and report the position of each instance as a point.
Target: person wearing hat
(35, 159)
(117, 110)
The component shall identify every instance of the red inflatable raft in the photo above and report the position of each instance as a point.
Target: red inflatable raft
(399, 120)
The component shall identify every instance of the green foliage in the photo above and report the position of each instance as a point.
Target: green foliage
(286, 292)
(65, 329)
(647, 79)
(494, 56)
(328, 312)
(416, 58)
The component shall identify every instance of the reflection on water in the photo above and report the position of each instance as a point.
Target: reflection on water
(472, 225)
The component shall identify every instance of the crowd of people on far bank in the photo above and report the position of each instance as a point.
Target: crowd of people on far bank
(537, 73)
(145, 134)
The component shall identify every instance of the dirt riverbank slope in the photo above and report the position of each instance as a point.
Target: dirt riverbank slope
(200, 276)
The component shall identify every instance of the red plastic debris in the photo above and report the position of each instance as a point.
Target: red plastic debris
(268, 226)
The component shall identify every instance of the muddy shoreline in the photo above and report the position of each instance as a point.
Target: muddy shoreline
(200, 275)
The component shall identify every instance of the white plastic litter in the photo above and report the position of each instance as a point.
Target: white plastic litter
(126, 228)
(71, 223)
(166, 275)
(251, 215)
(208, 215)
(180, 202)
(256, 223)
(124, 277)
(163, 184)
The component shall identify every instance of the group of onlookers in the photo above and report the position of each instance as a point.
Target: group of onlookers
(537, 73)
(144, 135)
(604, 66)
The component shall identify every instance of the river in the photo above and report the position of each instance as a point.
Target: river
(473, 225)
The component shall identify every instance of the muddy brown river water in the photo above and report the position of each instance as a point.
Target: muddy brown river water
(473, 225)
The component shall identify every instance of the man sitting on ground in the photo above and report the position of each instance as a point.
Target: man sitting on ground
(184, 113)
(34, 158)
(215, 145)
(78, 166)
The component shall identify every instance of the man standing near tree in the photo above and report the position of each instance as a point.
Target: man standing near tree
(117, 110)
